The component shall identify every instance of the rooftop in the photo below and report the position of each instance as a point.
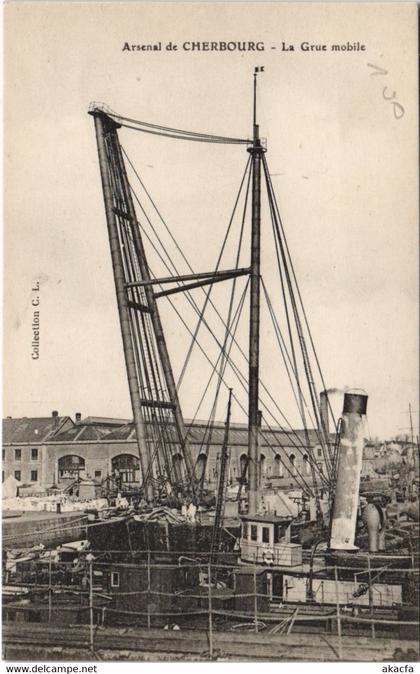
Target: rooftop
(63, 429)
(32, 429)
(105, 421)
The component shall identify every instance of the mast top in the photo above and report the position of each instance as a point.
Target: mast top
(256, 134)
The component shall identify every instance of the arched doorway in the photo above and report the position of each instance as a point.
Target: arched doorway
(70, 468)
(126, 468)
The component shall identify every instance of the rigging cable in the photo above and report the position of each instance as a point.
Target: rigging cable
(306, 487)
(155, 362)
(225, 356)
(197, 310)
(186, 361)
(218, 139)
(197, 138)
(279, 337)
(301, 402)
(141, 330)
(227, 386)
(281, 343)
(235, 322)
(207, 293)
(299, 293)
(170, 131)
(305, 357)
(241, 377)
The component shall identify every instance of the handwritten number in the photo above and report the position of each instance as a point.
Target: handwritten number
(388, 98)
(379, 71)
(398, 106)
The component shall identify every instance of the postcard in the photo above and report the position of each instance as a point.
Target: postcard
(210, 433)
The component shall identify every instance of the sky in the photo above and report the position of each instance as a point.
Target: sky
(343, 161)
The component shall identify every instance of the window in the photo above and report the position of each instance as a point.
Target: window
(17, 475)
(34, 476)
(262, 467)
(34, 454)
(278, 466)
(266, 534)
(243, 462)
(319, 451)
(253, 532)
(245, 530)
(3, 454)
(115, 579)
(98, 473)
(2, 475)
(292, 460)
(18, 454)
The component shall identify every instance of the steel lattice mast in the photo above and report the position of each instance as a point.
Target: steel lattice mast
(141, 328)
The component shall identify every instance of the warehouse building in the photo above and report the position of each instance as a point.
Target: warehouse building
(56, 450)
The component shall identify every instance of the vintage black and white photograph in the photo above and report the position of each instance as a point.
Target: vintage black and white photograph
(210, 417)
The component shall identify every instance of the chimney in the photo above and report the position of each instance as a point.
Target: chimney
(54, 415)
(78, 417)
(349, 466)
(323, 414)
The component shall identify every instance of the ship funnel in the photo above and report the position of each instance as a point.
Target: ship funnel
(350, 457)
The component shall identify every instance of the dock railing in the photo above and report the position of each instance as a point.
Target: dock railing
(184, 590)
